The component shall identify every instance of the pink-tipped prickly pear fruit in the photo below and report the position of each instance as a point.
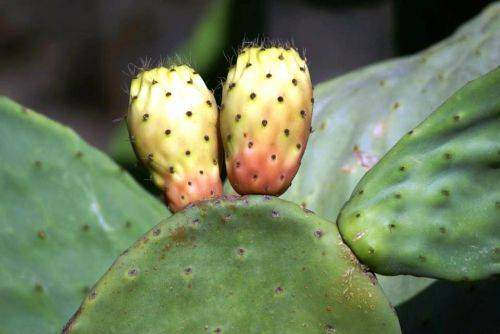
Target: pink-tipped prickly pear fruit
(172, 122)
(265, 119)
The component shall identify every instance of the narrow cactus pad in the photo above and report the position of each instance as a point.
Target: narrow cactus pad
(237, 265)
(431, 206)
(66, 211)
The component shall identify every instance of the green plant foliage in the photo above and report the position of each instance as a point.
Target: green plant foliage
(253, 264)
(66, 211)
(358, 117)
(430, 207)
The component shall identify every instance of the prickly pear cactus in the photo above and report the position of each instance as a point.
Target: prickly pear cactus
(253, 264)
(66, 211)
(172, 121)
(265, 118)
(431, 206)
(358, 117)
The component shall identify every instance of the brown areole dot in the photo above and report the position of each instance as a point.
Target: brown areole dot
(264, 123)
(188, 152)
(237, 117)
(299, 146)
(207, 138)
(189, 113)
(167, 94)
(209, 103)
(281, 57)
(273, 156)
(269, 75)
(190, 81)
(252, 96)
(232, 85)
(145, 117)
(171, 169)
(168, 131)
(303, 113)
(248, 65)
(280, 98)
(250, 144)
(294, 81)
(287, 132)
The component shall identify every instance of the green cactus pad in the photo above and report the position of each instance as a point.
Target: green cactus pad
(359, 116)
(66, 211)
(252, 264)
(431, 206)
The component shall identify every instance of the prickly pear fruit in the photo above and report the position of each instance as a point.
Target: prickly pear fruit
(431, 206)
(253, 264)
(265, 119)
(172, 121)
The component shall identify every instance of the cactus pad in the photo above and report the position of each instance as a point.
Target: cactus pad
(66, 211)
(253, 264)
(431, 206)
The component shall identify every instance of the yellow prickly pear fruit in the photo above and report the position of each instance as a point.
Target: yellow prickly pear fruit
(265, 119)
(172, 122)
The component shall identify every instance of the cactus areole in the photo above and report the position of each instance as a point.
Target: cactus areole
(172, 121)
(265, 119)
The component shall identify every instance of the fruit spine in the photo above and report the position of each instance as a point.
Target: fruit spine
(172, 122)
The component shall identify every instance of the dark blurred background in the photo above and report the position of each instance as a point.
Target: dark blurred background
(70, 59)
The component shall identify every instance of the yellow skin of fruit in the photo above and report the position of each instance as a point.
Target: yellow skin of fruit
(265, 119)
(172, 122)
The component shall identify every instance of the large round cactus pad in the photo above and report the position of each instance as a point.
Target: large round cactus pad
(237, 265)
